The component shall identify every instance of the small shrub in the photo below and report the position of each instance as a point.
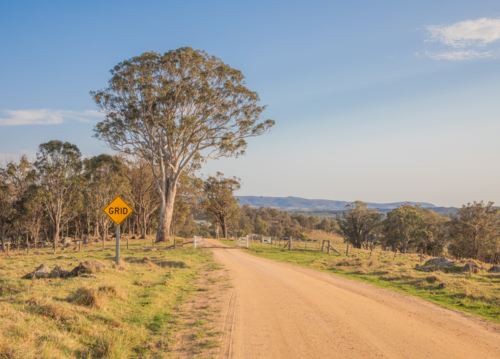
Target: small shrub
(112, 290)
(111, 345)
(346, 262)
(88, 297)
(122, 266)
(431, 279)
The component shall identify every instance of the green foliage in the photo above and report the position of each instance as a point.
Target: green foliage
(405, 227)
(475, 232)
(358, 224)
(219, 199)
(175, 111)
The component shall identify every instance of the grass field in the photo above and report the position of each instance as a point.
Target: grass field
(125, 311)
(478, 295)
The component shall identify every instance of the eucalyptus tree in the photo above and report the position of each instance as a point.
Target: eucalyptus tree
(405, 226)
(358, 223)
(175, 110)
(106, 181)
(219, 199)
(31, 210)
(59, 167)
(475, 231)
(7, 210)
(143, 191)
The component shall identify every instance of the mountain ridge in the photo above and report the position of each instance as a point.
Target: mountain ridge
(319, 204)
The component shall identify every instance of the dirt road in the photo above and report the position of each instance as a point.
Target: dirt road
(276, 310)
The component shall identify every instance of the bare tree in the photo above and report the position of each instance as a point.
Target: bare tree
(220, 201)
(59, 165)
(143, 190)
(176, 109)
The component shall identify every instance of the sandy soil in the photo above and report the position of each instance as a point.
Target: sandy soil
(276, 310)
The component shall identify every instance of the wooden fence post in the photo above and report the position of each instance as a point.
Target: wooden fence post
(323, 246)
(347, 251)
(290, 244)
(328, 249)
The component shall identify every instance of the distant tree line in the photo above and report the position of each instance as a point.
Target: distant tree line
(62, 194)
(473, 232)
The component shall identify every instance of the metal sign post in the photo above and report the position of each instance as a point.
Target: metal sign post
(117, 244)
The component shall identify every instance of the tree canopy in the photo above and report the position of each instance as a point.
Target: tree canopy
(176, 110)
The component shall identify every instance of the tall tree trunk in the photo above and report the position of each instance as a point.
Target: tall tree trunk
(166, 212)
(144, 224)
(224, 227)
(103, 234)
(57, 229)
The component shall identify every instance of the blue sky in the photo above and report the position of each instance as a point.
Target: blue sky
(379, 101)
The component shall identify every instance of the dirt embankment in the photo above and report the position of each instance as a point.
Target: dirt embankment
(276, 310)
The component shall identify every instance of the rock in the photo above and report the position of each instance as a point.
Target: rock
(66, 240)
(423, 269)
(440, 262)
(494, 269)
(88, 276)
(435, 261)
(59, 272)
(473, 265)
(87, 267)
(41, 272)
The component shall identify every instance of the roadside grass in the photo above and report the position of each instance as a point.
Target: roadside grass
(478, 295)
(124, 311)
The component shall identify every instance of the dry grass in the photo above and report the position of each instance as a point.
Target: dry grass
(103, 315)
(88, 297)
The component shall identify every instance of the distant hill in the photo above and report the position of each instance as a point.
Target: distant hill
(313, 204)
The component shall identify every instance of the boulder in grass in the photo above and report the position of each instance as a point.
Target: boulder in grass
(474, 267)
(59, 272)
(41, 272)
(87, 267)
(439, 262)
(494, 269)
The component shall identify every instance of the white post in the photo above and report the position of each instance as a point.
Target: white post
(194, 242)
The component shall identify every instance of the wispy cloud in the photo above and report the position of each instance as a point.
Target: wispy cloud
(464, 40)
(461, 55)
(478, 32)
(47, 117)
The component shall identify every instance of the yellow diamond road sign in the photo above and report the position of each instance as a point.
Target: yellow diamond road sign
(118, 210)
